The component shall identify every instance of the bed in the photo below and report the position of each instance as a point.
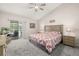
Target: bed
(51, 36)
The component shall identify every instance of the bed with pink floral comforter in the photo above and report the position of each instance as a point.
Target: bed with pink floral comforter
(47, 39)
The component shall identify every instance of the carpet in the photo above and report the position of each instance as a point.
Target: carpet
(22, 47)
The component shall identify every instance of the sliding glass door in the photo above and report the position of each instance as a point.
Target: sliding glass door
(14, 26)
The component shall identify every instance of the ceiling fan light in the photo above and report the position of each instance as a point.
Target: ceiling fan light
(36, 7)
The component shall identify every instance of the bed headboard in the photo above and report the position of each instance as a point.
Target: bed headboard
(49, 28)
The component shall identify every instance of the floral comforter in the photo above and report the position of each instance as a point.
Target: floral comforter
(47, 39)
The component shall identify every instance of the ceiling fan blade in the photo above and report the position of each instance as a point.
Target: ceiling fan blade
(43, 4)
(32, 3)
(31, 7)
(41, 9)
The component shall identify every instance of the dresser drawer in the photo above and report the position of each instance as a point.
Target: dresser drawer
(68, 43)
(68, 40)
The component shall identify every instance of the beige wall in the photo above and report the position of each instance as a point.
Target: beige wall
(26, 31)
(66, 14)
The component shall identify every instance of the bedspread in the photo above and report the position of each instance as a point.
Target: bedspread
(47, 39)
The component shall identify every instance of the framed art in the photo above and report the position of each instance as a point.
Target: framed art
(32, 25)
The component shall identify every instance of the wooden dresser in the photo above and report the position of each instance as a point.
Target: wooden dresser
(69, 40)
(2, 45)
(2, 50)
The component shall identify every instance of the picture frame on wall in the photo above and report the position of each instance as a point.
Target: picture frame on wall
(32, 25)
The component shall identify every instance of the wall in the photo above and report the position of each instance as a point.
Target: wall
(66, 14)
(26, 31)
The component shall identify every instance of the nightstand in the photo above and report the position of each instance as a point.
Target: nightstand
(69, 40)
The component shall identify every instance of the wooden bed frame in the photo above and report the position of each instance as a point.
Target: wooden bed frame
(49, 28)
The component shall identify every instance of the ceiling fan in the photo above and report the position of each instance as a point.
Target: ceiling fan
(37, 6)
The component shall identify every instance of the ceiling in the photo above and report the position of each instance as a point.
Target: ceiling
(23, 9)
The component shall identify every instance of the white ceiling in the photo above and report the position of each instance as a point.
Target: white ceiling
(23, 10)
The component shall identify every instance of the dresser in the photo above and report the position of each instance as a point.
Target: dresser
(2, 45)
(69, 40)
(2, 50)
